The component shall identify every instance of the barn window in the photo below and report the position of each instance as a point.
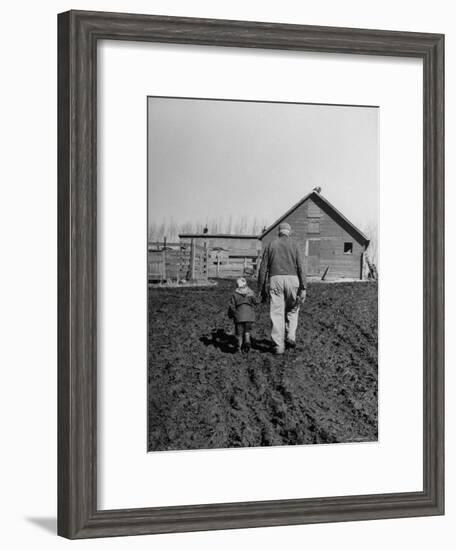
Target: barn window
(313, 227)
(313, 211)
(348, 248)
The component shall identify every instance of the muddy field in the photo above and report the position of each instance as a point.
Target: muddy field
(204, 395)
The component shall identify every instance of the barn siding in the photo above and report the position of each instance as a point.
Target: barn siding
(332, 236)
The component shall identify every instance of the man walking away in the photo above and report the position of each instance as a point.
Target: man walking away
(282, 265)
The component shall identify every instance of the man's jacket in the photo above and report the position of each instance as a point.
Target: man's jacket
(282, 256)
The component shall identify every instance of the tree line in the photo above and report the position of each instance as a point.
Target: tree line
(171, 229)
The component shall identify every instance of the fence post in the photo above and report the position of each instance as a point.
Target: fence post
(258, 262)
(162, 267)
(164, 259)
(178, 268)
(192, 260)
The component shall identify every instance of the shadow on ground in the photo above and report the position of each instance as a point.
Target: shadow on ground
(226, 342)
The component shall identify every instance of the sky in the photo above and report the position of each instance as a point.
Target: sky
(209, 159)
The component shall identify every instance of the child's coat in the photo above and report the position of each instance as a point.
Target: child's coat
(242, 304)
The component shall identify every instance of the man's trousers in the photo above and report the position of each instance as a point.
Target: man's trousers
(284, 308)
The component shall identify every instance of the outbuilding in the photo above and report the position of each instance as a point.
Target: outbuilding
(333, 247)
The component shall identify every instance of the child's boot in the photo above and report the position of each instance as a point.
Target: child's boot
(247, 343)
(238, 343)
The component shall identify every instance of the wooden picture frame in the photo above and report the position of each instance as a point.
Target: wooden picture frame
(78, 33)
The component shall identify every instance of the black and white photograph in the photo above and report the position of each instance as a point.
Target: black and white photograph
(263, 268)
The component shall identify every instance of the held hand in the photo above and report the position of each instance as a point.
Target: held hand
(302, 295)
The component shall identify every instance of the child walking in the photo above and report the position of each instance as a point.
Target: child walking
(241, 310)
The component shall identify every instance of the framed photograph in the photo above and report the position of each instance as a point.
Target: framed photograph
(231, 324)
(251, 285)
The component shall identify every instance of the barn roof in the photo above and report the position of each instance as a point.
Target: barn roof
(216, 236)
(337, 214)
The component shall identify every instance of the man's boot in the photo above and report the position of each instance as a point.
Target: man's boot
(290, 344)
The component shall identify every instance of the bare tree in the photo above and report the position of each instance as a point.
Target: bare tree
(171, 229)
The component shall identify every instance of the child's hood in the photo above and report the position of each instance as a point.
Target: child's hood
(245, 291)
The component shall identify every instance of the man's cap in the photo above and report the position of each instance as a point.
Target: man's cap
(284, 227)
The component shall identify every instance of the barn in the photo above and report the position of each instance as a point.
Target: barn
(333, 247)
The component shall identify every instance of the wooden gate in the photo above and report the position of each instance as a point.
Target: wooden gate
(176, 262)
(232, 267)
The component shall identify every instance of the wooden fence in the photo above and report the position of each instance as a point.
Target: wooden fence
(175, 262)
(233, 267)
